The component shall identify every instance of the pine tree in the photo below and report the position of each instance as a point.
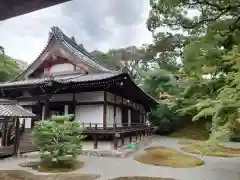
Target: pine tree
(59, 140)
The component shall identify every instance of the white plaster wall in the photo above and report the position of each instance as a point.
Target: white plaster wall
(106, 145)
(28, 121)
(89, 113)
(129, 117)
(118, 116)
(89, 96)
(102, 145)
(110, 116)
(62, 68)
(66, 54)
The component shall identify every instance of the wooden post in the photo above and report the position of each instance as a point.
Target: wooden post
(115, 142)
(17, 138)
(46, 109)
(5, 132)
(74, 104)
(122, 140)
(130, 139)
(95, 141)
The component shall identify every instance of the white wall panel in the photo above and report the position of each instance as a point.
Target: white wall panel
(65, 67)
(110, 115)
(89, 113)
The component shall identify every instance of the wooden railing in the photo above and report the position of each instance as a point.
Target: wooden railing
(114, 127)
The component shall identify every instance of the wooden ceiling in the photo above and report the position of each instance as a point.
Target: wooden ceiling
(13, 8)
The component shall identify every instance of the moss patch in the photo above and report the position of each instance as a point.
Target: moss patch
(190, 142)
(56, 168)
(203, 148)
(141, 178)
(163, 156)
(194, 130)
(24, 175)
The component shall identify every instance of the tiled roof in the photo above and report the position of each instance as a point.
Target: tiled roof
(75, 78)
(62, 79)
(11, 109)
(76, 49)
(24, 82)
(70, 45)
(87, 77)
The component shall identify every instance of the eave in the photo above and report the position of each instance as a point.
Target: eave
(13, 8)
(118, 83)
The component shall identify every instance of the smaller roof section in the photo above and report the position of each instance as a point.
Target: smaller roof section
(9, 108)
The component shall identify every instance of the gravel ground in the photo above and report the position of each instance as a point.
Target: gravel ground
(215, 168)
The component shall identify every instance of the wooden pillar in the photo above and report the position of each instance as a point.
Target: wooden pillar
(115, 142)
(72, 109)
(122, 140)
(104, 109)
(66, 109)
(114, 109)
(130, 139)
(5, 132)
(46, 109)
(95, 141)
(17, 138)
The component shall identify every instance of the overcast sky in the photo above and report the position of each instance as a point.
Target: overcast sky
(96, 24)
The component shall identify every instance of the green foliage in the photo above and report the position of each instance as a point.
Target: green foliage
(8, 67)
(160, 80)
(209, 52)
(58, 139)
(165, 117)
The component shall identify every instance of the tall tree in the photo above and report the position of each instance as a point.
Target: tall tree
(209, 54)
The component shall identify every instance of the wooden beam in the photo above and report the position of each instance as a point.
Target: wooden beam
(5, 132)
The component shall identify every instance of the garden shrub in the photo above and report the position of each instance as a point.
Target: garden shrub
(59, 140)
(165, 118)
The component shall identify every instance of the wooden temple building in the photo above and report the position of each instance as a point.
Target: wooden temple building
(66, 79)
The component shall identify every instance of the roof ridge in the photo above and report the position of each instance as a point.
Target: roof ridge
(60, 35)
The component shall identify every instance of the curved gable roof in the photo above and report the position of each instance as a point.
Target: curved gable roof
(71, 46)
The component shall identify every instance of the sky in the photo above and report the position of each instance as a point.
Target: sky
(98, 26)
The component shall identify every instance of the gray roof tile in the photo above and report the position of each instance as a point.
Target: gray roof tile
(11, 109)
(61, 79)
